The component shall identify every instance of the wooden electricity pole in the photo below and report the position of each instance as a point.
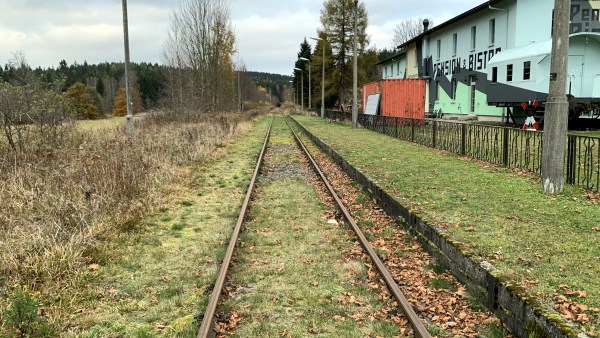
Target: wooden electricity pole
(557, 106)
(129, 118)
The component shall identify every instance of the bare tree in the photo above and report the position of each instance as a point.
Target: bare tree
(408, 29)
(198, 53)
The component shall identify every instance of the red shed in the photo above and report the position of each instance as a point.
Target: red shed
(404, 98)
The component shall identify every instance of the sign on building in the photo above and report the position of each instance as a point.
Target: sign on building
(585, 16)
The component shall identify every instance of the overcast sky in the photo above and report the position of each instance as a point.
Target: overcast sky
(269, 33)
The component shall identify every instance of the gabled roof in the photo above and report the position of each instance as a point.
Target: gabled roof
(531, 50)
(402, 51)
(472, 11)
(528, 51)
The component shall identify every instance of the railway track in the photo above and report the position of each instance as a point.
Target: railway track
(209, 319)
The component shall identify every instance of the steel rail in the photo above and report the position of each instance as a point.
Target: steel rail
(208, 320)
(418, 327)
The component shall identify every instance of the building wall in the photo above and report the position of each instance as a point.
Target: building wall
(455, 65)
(394, 69)
(584, 62)
(457, 75)
(412, 61)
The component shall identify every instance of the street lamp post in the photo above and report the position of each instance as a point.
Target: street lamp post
(292, 82)
(309, 84)
(322, 79)
(301, 85)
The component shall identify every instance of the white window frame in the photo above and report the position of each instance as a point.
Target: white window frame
(473, 37)
(492, 32)
(454, 44)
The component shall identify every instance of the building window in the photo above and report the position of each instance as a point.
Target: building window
(385, 71)
(454, 44)
(509, 71)
(439, 49)
(473, 92)
(398, 69)
(494, 74)
(437, 90)
(492, 32)
(473, 37)
(527, 70)
(454, 87)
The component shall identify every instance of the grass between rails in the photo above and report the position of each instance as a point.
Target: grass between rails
(549, 244)
(162, 279)
(290, 278)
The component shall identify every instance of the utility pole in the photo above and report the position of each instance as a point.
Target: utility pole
(355, 71)
(129, 118)
(239, 92)
(323, 83)
(557, 106)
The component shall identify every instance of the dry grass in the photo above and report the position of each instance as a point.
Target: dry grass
(61, 207)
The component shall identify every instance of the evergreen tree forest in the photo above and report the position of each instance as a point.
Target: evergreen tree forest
(273, 83)
(93, 89)
(104, 78)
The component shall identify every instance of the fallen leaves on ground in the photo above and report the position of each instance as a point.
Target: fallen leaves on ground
(407, 261)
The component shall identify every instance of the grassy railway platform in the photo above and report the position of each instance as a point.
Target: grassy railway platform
(549, 245)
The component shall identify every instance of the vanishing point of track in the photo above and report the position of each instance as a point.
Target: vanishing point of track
(208, 321)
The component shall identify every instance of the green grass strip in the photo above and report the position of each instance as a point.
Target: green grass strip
(539, 240)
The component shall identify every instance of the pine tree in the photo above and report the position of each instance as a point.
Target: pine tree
(305, 52)
(331, 95)
(337, 18)
(82, 102)
(120, 106)
(100, 87)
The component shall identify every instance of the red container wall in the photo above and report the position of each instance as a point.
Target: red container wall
(404, 98)
(368, 89)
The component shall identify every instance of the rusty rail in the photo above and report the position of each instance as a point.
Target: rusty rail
(208, 320)
(418, 327)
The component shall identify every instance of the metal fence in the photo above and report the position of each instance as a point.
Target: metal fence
(509, 147)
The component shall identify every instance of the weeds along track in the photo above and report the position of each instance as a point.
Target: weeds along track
(292, 268)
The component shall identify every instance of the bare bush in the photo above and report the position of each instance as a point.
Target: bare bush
(61, 207)
(32, 114)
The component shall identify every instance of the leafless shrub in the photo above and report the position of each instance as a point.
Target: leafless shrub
(32, 114)
(61, 206)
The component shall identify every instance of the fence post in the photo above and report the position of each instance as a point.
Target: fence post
(571, 156)
(463, 139)
(505, 156)
(434, 136)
